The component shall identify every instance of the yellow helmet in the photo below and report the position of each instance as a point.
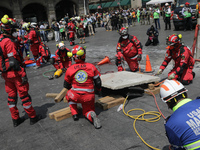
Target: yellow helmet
(5, 16)
(4, 20)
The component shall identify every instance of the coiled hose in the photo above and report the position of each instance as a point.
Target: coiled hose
(156, 117)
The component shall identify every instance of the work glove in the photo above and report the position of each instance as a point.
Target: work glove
(139, 58)
(24, 80)
(159, 72)
(171, 76)
(64, 69)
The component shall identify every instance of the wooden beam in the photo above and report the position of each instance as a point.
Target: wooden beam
(51, 115)
(156, 90)
(63, 114)
(52, 95)
(60, 96)
(109, 101)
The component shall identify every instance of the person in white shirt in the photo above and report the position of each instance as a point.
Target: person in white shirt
(187, 14)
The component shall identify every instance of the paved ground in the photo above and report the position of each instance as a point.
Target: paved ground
(117, 131)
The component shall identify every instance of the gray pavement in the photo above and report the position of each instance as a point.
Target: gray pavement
(117, 131)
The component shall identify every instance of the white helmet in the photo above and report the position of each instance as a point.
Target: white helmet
(61, 45)
(166, 4)
(33, 24)
(171, 89)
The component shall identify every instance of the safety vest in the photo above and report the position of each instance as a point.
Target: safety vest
(198, 8)
(138, 13)
(166, 14)
(133, 14)
(193, 145)
(187, 14)
(156, 15)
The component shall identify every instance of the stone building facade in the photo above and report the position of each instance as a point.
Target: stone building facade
(43, 10)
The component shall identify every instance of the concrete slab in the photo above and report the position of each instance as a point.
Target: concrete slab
(124, 79)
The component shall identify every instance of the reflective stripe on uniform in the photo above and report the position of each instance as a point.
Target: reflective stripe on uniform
(134, 57)
(85, 90)
(71, 31)
(95, 76)
(10, 54)
(192, 146)
(89, 113)
(27, 107)
(70, 103)
(11, 106)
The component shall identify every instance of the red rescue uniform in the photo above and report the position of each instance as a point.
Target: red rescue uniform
(184, 63)
(13, 79)
(129, 49)
(61, 59)
(33, 37)
(72, 31)
(81, 77)
(44, 52)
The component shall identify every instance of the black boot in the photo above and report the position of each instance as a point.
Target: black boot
(35, 120)
(17, 122)
(75, 117)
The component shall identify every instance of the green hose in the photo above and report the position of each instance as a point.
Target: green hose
(53, 70)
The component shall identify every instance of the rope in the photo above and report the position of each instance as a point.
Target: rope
(156, 117)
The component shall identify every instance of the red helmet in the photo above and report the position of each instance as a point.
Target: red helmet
(123, 31)
(173, 40)
(78, 53)
(187, 3)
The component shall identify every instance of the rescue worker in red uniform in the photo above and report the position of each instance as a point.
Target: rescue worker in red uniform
(129, 48)
(61, 59)
(80, 79)
(44, 52)
(33, 38)
(184, 61)
(72, 31)
(13, 72)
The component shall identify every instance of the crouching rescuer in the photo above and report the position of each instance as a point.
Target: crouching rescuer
(184, 61)
(80, 79)
(61, 61)
(13, 72)
(129, 48)
(182, 127)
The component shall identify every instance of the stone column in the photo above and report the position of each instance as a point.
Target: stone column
(51, 14)
(83, 10)
(16, 5)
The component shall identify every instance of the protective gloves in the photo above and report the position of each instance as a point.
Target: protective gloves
(171, 76)
(139, 58)
(24, 80)
(159, 72)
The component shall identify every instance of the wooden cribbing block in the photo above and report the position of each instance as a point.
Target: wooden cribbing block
(151, 86)
(109, 102)
(52, 95)
(63, 114)
(155, 91)
(51, 115)
(65, 100)
(60, 96)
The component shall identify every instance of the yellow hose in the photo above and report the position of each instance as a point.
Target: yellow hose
(141, 117)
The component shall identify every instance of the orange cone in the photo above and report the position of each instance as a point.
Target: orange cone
(148, 64)
(105, 60)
